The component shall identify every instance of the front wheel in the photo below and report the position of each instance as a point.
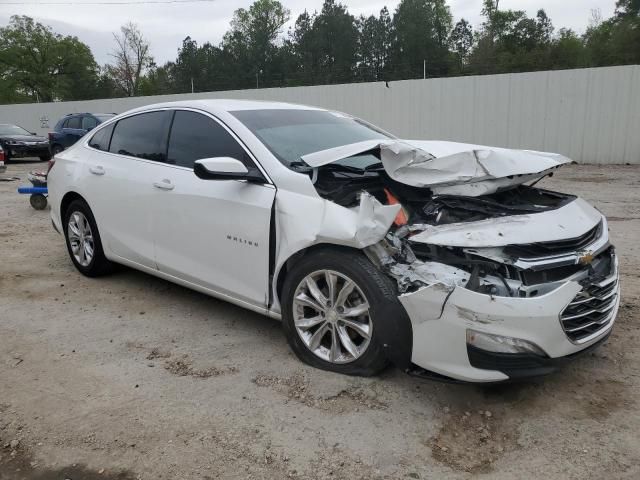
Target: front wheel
(333, 302)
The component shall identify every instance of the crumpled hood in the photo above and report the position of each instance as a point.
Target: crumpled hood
(569, 221)
(448, 167)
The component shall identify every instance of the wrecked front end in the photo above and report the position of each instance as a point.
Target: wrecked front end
(500, 279)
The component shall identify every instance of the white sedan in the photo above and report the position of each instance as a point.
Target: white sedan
(439, 257)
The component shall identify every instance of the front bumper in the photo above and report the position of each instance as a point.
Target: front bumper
(20, 151)
(440, 317)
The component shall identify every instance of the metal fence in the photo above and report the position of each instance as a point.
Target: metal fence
(591, 115)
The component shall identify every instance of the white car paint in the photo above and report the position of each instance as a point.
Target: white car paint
(164, 220)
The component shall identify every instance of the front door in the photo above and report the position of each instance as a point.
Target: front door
(212, 233)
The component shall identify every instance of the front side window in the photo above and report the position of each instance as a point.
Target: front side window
(291, 133)
(101, 138)
(73, 123)
(142, 136)
(88, 123)
(194, 136)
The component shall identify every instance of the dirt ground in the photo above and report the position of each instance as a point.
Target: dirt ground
(129, 377)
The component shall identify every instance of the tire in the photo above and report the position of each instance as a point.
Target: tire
(379, 291)
(98, 264)
(38, 201)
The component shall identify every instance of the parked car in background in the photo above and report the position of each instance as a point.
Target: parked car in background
(18, 142)
(72, 127)
(441, 257)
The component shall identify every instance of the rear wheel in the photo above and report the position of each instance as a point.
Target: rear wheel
(332, 306)
(83, 240)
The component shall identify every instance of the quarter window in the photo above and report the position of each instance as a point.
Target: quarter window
(142, 136)
(194, 136)
(102, 138)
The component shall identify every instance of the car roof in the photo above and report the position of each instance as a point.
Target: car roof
(228, 105)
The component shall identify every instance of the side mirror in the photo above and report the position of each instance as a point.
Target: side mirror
(225, 168)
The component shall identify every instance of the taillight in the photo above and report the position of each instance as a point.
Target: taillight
(50, 134)
(1, 155)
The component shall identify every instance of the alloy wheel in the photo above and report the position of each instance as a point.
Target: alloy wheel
(331, 315)
(80, 238)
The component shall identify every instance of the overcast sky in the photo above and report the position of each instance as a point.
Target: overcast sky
(166, 25)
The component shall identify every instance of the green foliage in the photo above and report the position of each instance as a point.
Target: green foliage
(40, 65)
(329, 46)
(374, 46)
(422, 29)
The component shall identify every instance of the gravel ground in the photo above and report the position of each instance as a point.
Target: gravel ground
(129, 377)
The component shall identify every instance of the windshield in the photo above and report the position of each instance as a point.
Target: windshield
(13, 130)
(290, 134)
(103, 117)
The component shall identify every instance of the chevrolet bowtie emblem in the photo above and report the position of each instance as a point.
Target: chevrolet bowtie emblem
(585, 258)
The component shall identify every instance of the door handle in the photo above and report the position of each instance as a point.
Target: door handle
(165, 184)
(97, 170)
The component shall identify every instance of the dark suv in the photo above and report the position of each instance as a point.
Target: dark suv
(72, 127)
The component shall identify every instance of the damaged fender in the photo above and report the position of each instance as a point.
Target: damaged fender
(303, 221)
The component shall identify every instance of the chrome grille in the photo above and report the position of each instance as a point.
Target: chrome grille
(560, 247)
(591, 311)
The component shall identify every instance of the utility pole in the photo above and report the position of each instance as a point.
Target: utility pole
(191, 84)
(424, 69)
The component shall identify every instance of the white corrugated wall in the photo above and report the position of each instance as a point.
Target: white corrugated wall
(591, 115)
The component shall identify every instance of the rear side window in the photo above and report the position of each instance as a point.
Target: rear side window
(101, 139)
(89, 122)
(142, 136)
(195, 136)
(73, 123)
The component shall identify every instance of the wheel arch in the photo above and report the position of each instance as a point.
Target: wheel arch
(66, 201)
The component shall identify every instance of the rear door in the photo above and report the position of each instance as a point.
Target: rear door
(89, 122)
(72, 131)
(121, 172)
(213, 233)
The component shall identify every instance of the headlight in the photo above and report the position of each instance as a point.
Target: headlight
(500, 344)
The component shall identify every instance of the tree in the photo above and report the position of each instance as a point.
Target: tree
(510, 41)
(627, 8)
(131, 59)
(616, 41)
(250, 44)
(422, 29)
(301, 50)
(336, 36)
(567, 50)
(374, 46)
(462, 41)
(40, 65)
